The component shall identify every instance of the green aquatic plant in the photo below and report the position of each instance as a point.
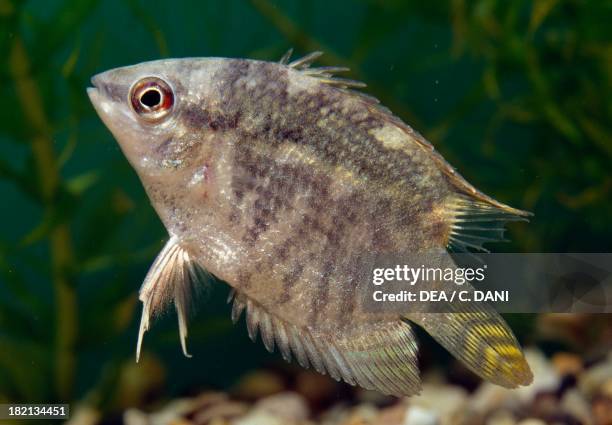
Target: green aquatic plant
(514, 94)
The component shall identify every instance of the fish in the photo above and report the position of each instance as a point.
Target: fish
(279, 179)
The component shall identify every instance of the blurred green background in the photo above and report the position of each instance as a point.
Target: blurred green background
(515, 94)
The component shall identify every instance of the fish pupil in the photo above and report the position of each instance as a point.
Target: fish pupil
(151, 98)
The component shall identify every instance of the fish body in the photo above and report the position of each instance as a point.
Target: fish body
(281, 180)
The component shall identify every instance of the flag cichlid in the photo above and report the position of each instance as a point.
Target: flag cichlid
(278, 178)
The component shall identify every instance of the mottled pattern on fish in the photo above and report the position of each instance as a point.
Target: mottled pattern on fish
(281, 181)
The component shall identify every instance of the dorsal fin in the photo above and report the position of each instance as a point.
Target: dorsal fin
(324, 74)
(462, 184)
(172, 277)
(474, 223)
(379, 356)
(305, 61)
(284, 60)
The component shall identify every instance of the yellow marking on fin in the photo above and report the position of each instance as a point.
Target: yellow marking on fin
(478, 331)
(491, 356)
(508, 350)
(502, 355)
(490, 330)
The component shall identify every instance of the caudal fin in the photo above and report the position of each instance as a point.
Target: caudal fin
(481, 339)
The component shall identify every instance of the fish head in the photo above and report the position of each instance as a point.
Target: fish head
(147, 108)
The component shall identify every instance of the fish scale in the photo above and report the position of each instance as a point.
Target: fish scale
(281, 180)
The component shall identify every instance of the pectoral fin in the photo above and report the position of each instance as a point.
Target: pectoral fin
(174, 276)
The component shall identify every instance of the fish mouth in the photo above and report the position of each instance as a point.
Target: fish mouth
(95, 82)
(95, 93)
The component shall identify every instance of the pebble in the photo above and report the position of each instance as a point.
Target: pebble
(135, 417)
(501, 417)
(165, 417)
(258, 384)
(574, 403)
(261, 418)
(606, 388)
(287, 405)
(545, 404)
(224, 411)
(263, 398)
(594, 379)
(445, 400)
(83, 415)
(532, 421)
(393, 415)
(602, 410)
(489, 397)
(417, 415)
(567, 363)
(364, 414)
(316, 388)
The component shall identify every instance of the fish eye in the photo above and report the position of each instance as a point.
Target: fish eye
(151, 98)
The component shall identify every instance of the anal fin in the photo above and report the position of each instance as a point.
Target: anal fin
(173, 277)
(374, 355)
